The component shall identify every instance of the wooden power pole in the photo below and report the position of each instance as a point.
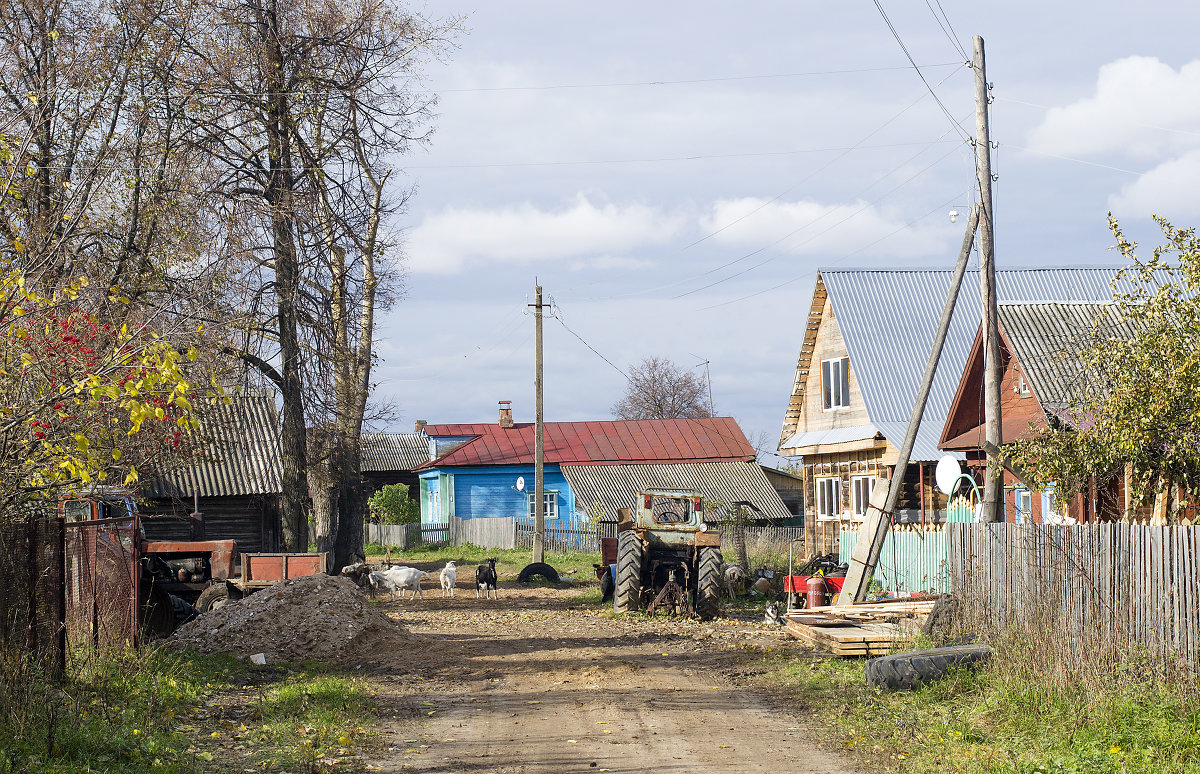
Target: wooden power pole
(993, 489)
(539, 451)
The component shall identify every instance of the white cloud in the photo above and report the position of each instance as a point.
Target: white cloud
(446, 242)
(811, 228)
(1133, 96)
(1169, 190)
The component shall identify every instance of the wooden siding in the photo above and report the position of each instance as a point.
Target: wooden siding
(250, 520)
(830, 345)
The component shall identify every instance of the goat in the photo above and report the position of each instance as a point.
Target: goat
(485, 579)
(396, 579)
(449, 576)
(359, 572)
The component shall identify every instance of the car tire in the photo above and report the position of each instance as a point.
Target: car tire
(906, 671)
(538, 570)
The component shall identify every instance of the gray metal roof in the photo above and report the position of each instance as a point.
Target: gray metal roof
(1048, 341)
(834, 435)
(393, 451)
(617, 486)
(888, 319)
(241, 452)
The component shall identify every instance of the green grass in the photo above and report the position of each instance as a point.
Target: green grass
(164, 712)
(1000, 719)
(508, 561)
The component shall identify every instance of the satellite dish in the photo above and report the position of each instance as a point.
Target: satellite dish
(520, 483)
(946, 474)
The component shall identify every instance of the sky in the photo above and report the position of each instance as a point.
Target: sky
(674, 174)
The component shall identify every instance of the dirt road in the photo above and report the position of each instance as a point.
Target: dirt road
(538, 682)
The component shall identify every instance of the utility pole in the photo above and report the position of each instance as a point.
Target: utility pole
(539, 462)
(707, 379)
(993, 489)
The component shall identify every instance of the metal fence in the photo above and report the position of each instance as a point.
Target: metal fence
(1095, 585)
(406, 535)
(67, 583)
(564, 538)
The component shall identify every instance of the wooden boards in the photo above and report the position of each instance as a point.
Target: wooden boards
(858, 630)
(866, 639)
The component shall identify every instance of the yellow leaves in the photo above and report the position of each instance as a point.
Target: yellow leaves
(116, 454)
(26, 359)
(19, 246)
(132, 478)
(81, 442)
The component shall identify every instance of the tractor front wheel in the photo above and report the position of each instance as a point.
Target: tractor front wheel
(708, 583)
(630, 554)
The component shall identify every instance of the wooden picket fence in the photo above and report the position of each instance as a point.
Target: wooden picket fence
(1134, 585)
(406, 535)
(915, 558)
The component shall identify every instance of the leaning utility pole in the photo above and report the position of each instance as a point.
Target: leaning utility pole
(993, 489)
(539, 484)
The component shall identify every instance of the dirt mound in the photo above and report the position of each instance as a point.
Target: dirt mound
(316, 617)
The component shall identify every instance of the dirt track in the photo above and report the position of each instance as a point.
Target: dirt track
(536, 682)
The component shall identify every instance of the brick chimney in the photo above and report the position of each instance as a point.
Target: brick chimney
(506, 420)
(419, 426)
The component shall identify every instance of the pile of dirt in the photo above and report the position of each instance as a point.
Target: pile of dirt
(317, 617)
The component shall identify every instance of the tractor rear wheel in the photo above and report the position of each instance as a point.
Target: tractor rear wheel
(630, 554)
(215, 596)
(708, 583)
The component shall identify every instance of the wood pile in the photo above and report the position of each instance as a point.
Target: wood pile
(869, 629)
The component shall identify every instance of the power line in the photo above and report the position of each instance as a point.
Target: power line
(595, 351)
(1077, 161)
(913, 62)
(1121, 120)
(623, 84)
(947, 28)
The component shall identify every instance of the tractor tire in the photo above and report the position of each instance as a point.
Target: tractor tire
(538, 570)
(708, 584)
(157, 616)
(627, 597)
(215, 596)
(906, 671)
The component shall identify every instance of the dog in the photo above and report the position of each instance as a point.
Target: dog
(772, 616)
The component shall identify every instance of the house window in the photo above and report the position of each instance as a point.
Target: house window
(1053, 512)
(835, 383)
(1021, 387)
(549, 504)
(829, 498)
(1023, 505)
(860, 495)
(433, 497)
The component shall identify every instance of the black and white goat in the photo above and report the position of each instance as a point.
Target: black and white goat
(485, 579)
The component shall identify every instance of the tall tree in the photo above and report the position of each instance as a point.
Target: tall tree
(660, 389)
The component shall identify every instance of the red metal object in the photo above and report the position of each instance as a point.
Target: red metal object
(608, 550)
(798, 584)
(222, 553)
(272, 568)
(816, 591)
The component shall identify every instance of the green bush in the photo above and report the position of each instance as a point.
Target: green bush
(392, 505)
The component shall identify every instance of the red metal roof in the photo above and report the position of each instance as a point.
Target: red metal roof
(615, 442)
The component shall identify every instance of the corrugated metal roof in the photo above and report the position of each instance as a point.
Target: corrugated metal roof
(393, 451)
(616, 486)
(836, 435)
(888, 319)
(612, 441)
(1048, 341)
(241, 452)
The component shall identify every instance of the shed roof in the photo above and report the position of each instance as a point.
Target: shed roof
(889, 318)
(241, 452)
(713, 439)
(393, 451)
(616, 486)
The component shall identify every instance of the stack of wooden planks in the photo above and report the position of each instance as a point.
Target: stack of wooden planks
(859, 630)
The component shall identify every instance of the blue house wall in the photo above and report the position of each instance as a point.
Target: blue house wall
(490, 492)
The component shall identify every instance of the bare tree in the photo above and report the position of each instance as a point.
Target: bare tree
(660, 389)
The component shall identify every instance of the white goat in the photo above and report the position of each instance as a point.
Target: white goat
(449, 576)
(396, 579)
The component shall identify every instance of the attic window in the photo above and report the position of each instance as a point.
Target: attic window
(1021, 387)
(835, 383)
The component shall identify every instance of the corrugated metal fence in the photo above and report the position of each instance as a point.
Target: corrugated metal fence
(1127, 584)
(914, 557)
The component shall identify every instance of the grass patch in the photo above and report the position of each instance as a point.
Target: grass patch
(508, 561)
(999, 719)
(159, 711)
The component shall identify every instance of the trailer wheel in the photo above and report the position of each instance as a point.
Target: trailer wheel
(630, 554)
(708, 583)
(215, 596)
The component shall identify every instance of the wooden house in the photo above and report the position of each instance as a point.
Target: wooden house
(392, 458)
(231, 490)
(867, 337)
(1045, 377)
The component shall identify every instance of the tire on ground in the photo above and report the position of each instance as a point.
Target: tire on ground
(216, 595)
(708, 583)
(628, 592)
(538, 570)
(906, 671)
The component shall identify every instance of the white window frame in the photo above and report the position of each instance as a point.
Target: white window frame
(835, 384)
(1021, 387)
(829, 498)
(550, 500)
(860, 495)
(1022, 515)
(434, 497)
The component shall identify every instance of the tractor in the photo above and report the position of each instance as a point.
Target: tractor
(666, 554)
